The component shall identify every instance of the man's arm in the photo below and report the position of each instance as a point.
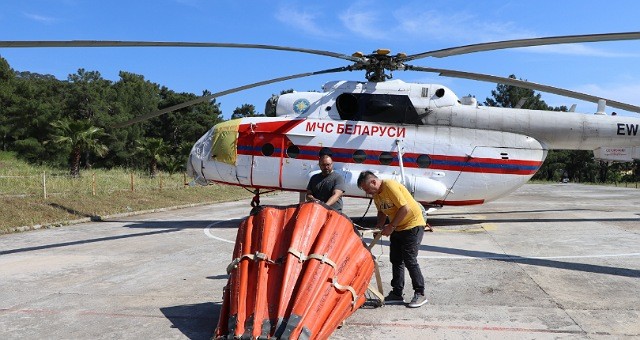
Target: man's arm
(400, 215)
(309, 196)
(335, 197)
(381, 219)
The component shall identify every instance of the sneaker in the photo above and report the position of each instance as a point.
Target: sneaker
(417, 301)
(393, 298)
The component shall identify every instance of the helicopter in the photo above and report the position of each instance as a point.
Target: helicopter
(447, 150)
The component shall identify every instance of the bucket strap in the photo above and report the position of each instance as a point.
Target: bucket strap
(258, 256)
(324, 259)
(342, 288)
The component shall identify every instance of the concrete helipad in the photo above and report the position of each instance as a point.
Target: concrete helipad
(546, 262)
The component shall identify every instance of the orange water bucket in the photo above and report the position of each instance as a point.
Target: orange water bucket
(297, 272)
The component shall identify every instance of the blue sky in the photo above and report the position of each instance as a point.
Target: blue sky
(607, 69)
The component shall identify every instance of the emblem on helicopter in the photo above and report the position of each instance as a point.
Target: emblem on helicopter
(301, 106)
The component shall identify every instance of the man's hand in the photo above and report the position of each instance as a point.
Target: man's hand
(387, 229)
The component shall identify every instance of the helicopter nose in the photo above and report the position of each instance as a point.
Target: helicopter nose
(199, 154)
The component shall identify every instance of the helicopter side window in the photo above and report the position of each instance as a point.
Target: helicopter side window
(423, 161)
(359, 156)
(268, 149)
(293, 151)
(347, 105)
(385, 158)
(325, 151)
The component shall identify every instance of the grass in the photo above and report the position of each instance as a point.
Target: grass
(24, 204)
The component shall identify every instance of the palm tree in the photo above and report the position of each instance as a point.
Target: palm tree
(154, 149)
(81, 136)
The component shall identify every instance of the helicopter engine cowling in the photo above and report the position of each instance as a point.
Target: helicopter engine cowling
(300, 104)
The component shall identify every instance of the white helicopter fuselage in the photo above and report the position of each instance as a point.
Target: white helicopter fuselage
(445, 150)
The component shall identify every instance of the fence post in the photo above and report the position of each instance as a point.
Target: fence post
(132, 181)
(160, 178)
(93, 184)
(44, 184)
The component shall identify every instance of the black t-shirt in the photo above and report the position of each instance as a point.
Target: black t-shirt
(322, 187)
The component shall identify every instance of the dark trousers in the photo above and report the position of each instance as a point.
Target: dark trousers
(404, 253)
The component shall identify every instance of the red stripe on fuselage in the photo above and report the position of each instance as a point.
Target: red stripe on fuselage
(438, 162)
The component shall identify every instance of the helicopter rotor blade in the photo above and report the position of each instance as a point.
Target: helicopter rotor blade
(203, 99)
(499, 45)
(525, 84)
(115, 43)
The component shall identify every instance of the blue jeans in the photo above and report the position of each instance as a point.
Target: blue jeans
(404, 253)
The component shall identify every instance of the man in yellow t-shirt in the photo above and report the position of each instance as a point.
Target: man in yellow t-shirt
(405, 231)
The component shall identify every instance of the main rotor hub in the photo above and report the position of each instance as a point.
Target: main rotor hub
(377, 63)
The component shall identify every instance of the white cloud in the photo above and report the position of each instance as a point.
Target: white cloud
(461, 26)
(416, 25)
(624, 92)
(40, 18)
(364, 22)
(303, 20)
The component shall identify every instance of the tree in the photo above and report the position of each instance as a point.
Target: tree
(553, 168)
(246, 110)
(154, 151)
(510, 96)
(89, 95)
(186, 125)
(37, 101)
(79, 136)
(7, 76)
(134, 96)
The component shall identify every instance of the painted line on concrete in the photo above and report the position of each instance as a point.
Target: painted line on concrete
(471, 328)
(207, 231)
(521, 257)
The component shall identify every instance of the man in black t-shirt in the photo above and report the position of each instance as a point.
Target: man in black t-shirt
(327, 186)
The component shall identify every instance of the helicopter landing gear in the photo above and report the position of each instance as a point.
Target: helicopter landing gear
(255, 201)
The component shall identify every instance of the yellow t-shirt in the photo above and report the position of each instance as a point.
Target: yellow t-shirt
(392, 197)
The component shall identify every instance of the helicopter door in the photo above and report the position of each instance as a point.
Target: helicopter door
(267, 160)
(244, 163)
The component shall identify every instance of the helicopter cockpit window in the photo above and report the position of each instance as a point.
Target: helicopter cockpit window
(385, 158)
(325, 151)
(268, 149)
(423, 161)
(359, 156)
(293, 151)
